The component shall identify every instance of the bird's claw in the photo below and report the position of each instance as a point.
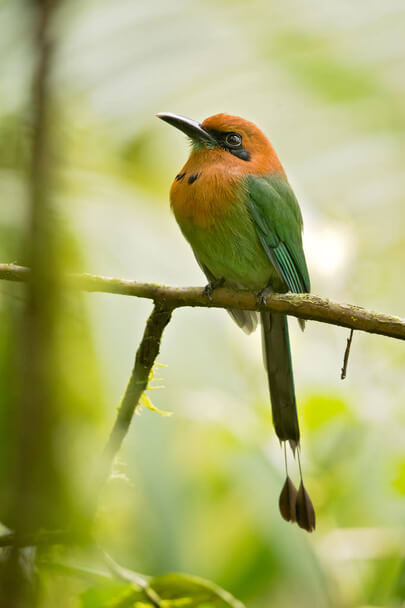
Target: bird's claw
(209, 288)
(261, 296)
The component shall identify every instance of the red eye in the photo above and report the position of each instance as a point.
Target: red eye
(233, 140)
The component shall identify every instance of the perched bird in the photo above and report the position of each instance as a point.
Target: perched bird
(235, 207)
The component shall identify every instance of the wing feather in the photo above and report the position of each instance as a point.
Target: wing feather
(276, 215)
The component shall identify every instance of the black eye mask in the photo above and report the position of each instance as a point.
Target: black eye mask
(229, 141)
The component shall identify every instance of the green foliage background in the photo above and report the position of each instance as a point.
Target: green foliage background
(197, 492)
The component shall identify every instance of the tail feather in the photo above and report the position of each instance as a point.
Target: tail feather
(246, 319)
(277, 361)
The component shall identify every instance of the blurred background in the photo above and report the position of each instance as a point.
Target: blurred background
(197, 491)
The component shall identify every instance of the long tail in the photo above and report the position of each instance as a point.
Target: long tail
(277, 361)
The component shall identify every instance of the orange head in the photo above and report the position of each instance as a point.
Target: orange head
(231, 140)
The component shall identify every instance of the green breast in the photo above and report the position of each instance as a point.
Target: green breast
(230, 248)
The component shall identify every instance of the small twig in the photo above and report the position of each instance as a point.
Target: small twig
(145, 357)
(346, 356)
(129, 576)
(303, 306)
(88, 575)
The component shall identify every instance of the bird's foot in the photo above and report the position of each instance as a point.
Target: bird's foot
(209, 288)
(261, 296)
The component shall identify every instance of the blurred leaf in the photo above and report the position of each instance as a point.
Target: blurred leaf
(384, 580)
(112, 595)
(399, 481)
(15, 138)
(191, 591)
(138, 157)
(312, 60)
(318, 410)
(168, 591)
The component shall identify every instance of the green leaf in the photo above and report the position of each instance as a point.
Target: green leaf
(134, 590)
(180, 590)
(167, 591)
(113, 595)
(322, 408)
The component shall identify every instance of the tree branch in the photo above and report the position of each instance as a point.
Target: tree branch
(303, 306)
(145, 358)
(146, 354)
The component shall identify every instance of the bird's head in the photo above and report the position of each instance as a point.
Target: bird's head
(246, 145)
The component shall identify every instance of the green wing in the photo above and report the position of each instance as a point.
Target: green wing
(277, 218)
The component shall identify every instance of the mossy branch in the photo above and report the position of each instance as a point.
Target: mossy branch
(303, 306)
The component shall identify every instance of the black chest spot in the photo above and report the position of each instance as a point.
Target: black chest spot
(193, 177)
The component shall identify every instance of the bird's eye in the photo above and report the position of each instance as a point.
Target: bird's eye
(233, 140)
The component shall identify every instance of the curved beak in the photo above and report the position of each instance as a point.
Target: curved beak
(191, 128)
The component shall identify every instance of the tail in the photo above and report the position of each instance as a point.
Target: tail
(277, 361)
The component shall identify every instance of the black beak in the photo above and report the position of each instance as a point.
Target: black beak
(190, 127)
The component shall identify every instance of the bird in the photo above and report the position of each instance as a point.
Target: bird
(235, 207)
